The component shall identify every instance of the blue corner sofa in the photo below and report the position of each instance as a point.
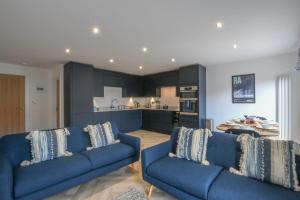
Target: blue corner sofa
(188, 180)
(46, 178)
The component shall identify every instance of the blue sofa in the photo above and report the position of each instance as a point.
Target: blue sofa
(46, 178)
(189, 180)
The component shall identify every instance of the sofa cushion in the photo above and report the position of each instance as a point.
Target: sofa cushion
(215, 148)
(37, 176)
(47, 145)
(229, 186)
(188, 176)
(192, 144)
(223, 150)
(100, 135)
(109, 154)
(269, 160)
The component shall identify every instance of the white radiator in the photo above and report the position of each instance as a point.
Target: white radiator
(284, 107)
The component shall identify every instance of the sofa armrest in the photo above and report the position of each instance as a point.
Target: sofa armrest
(6, 178)
(154, 153)
(133, 142)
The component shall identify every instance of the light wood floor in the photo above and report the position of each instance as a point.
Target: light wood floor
(112, 185)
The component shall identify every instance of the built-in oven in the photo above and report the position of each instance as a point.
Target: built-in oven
(189, 92)
(189, 100)
(188, 106)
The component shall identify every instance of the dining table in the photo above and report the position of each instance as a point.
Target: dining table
(270, 133)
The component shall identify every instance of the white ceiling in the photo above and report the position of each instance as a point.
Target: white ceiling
(38, 31)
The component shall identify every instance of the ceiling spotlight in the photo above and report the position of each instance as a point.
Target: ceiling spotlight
(173, 60)
(235, 46)
(67, 50)
(111, 60)
(145, 49)
(219, 25)
(96, 30)
(140, 67)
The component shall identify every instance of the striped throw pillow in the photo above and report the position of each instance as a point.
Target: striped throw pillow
(192, 144)
(47, 145)
(269, 160)
(100, 135)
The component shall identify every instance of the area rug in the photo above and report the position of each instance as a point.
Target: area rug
(132, 194)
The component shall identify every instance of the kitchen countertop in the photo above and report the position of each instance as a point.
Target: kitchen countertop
(108, 109)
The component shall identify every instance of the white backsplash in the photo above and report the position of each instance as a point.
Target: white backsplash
(111, 93)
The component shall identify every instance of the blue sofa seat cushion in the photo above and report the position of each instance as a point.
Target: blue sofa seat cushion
(188, 176)
(41, 175)
(106, 155)
(229, 186)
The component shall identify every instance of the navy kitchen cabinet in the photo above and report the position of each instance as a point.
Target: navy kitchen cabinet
(132, 86)
(101, 117)
(78, 92)
(158, 120)
(113, 79)
(194, 75)
(189, 75)
(127, 120)
(98, 83)
(189, 121)
(151, 87)
(153, 83)
(81, 119)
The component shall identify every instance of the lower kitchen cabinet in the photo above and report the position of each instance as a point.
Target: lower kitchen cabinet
(157, 120)
(189, 121)
(81, 119)
(127, 120)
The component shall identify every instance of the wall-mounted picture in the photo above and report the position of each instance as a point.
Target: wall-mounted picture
(243, 88)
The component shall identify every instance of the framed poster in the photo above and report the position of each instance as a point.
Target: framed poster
(243, 88)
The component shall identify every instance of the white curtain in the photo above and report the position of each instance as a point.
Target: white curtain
(284, 102)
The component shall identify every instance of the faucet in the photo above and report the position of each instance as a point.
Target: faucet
(114, 103)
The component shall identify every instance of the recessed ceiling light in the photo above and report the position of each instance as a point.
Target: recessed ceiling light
(68, 50)
(140, 67)
(173, 60)
(24, 63)
(235, 46)
(96, 30)
(111, 60)
(219, 25)
(145, 49)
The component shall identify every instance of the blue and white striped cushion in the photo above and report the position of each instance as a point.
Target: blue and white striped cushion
(100, 135)
(192, 144)
(269, 160)
(47, 145)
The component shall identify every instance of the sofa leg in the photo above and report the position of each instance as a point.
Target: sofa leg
(150, 191)
(132, 168)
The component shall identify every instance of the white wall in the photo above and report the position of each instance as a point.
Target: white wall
(219, 100)
(39, 106)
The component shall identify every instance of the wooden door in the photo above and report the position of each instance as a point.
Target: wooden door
(12, 104)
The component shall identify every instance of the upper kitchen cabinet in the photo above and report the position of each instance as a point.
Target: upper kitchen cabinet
(132, 86)
(98, 83)
(153, 83)
(78, 90)
(113, 79)
(169, 78)
(150, 86)
(189, 75)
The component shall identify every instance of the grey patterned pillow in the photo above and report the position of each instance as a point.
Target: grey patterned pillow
(192, 144)
(47, 145)
(269, 160)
